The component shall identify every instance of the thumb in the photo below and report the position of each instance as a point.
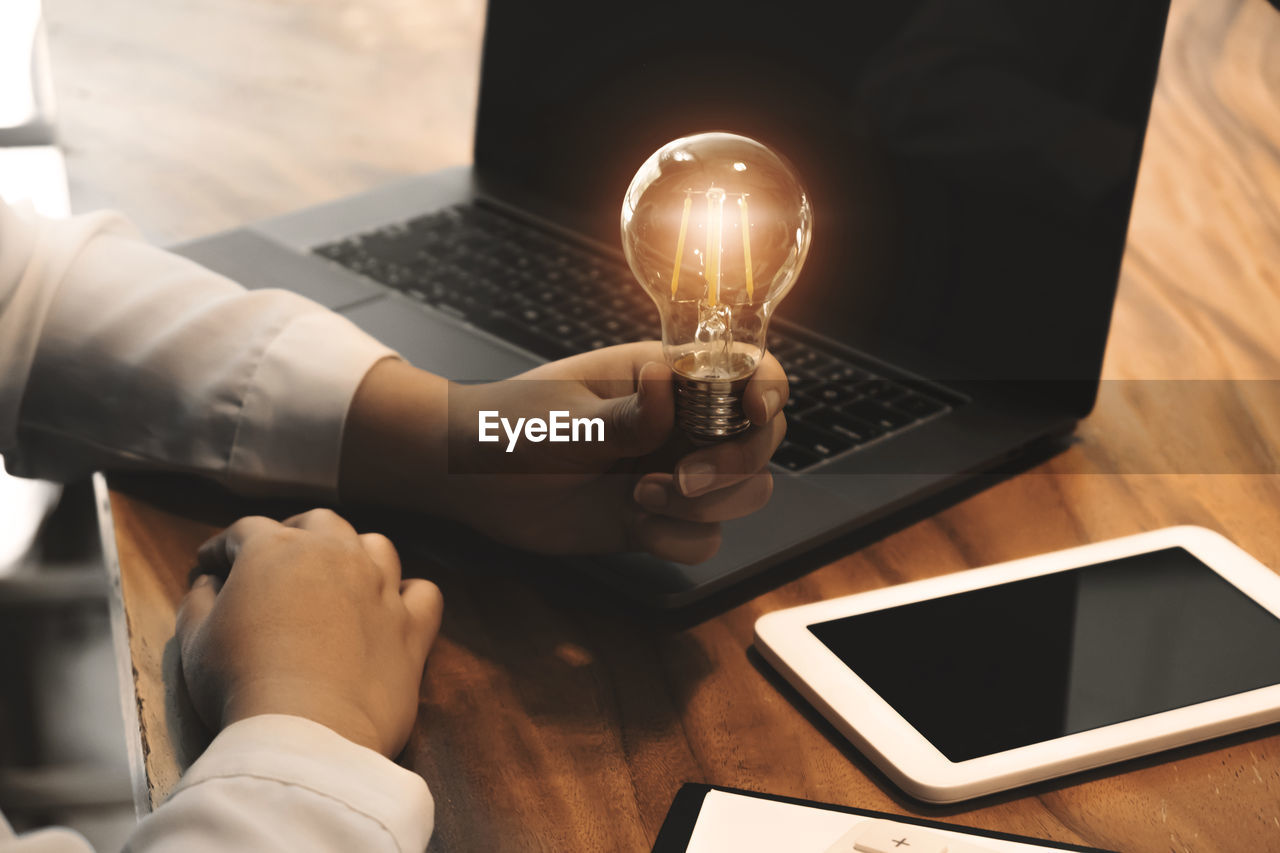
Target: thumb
(639, 423)
(196, 606)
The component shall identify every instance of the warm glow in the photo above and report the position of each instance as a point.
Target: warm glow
(716, 275)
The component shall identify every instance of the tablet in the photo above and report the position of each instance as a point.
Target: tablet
(716, 819)
(980, 681)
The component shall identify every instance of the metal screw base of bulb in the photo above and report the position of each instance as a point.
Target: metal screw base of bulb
(710, 410)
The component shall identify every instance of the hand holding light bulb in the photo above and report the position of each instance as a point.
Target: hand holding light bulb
(716, 228)
(643, 489)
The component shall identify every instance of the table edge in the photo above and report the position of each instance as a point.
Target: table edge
(134, 748)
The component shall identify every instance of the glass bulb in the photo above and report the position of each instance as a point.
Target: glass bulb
(715, 227)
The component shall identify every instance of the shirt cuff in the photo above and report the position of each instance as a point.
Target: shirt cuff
(294, 412)
(297, 751)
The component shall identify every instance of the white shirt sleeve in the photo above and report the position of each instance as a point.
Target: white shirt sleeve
(274, 783)
(284, 783)
(117, 354)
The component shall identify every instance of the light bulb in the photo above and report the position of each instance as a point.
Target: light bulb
(715, 227)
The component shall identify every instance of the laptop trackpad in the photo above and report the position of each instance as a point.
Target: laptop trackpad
(436, 343)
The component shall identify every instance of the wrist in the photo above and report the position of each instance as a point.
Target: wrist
(339, 715)
(395, 441)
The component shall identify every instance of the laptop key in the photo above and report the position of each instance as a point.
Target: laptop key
(391, 244)
(881, 389)
(387, 273)
(548, 296)
(598, 341)
(855, 429)
(878, 413)
(618, 304)
(581, 311)
(810, 360)
(819, 441)
(632, 329)
(564, 330)
(845, 373)
(799, 383)
(612, 326)
(783, 348)
(528, 313)
(798, 404)
(831, 393)
(487, 291)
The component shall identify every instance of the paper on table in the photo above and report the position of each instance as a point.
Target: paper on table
(755, 825)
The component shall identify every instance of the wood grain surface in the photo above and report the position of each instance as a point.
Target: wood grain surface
(554, 719)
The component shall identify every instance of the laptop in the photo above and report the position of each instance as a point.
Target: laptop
(971, 166)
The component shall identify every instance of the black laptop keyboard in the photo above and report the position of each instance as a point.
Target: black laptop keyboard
(556, 299)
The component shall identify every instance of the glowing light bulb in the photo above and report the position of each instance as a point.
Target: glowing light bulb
(715, 227)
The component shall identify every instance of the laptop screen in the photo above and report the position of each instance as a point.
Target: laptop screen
(971, 163)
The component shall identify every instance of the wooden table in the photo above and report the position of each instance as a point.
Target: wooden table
(553, 720)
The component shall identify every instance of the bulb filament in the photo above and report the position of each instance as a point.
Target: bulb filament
(715, 220)
(715, 243)
(684, 228)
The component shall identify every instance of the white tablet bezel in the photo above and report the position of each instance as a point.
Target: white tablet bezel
(884, 736)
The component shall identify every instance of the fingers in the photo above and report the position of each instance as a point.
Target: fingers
(658, 494)
(381, 551)
(640, 422)
(425, 604)
(721, 465)
(632, 390)
(767, 392)
(384, 556)
(674, 538)
(320, 521)
(217, 555)
(196, 606)
(611, 371)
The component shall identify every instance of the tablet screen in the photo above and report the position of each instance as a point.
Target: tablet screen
(1006, 666)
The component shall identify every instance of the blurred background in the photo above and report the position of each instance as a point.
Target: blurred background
(62, 745)
(204, 114)
(189, 116)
